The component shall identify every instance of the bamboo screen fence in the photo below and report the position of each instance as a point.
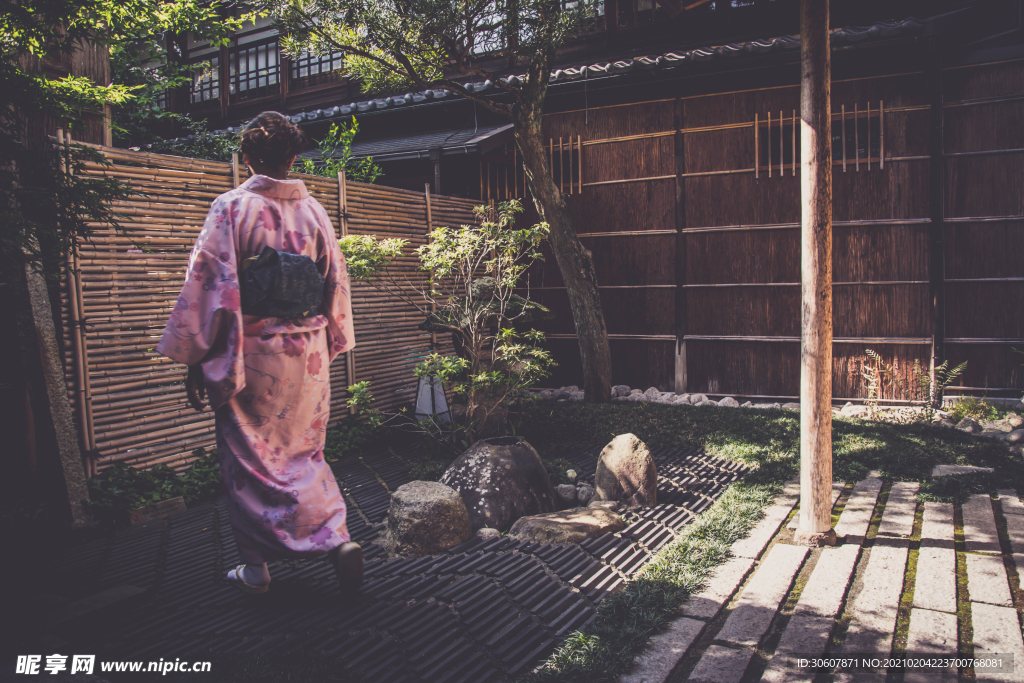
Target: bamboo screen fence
(130, 401)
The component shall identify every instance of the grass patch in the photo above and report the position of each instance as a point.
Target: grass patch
(956, 488)
(769, 440)
(627, 619)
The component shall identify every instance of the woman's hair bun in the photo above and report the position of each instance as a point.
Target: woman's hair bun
(271, 139)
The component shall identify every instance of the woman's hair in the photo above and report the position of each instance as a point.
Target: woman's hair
(271, 139)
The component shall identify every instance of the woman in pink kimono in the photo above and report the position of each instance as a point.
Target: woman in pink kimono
(266, 369)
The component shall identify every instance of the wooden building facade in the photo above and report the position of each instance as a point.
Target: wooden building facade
(675, 137)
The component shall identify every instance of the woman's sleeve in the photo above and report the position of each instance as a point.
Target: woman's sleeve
(337, 295)
(206, 324)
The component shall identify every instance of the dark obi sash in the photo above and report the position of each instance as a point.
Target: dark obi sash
(277, 284)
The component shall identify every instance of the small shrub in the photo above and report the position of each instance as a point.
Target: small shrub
(121, 488)
(975, 408)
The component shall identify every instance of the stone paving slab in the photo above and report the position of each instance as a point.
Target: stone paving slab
(986, 580)
(853, 523)
(664, 652)
(837, 490)
(826, 587)
(1013, 513)
(761, 535)
(762, 596)
(935, 583)
(721, 665)
(809, 628)
(997, 630)
(727, 578)
(898, 517)
(931, 633)
(875, 608)
(948, 470)
(980, 525)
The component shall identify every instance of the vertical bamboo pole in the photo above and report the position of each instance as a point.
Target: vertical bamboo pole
(769, 139)
(561, 166)
(515, 169)
(488, 181)
(551, 157)
(430, 229)
(506, 183)
(571, 184)
(815, 526)
(843, 118)
(350, 360)
(881, 133)
(868, 146)
(579, 161)
(76, 340)
(481, 179)
(793, 140)
(782, 145)
(856, 138)
(757, 149)
(234, 168)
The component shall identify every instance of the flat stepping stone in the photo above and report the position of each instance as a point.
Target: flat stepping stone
(761, 598)
(931, 633)
(837, 490)
(808, 630)
(986, 580)
(761, 535)
(727, 578)
(935, 583)
(875, 608)
(664, 652)
(949, 470)
(1013, 512)
(898, 517)
(997, 630)
(853, 523)
(980, 534)
(721, 665)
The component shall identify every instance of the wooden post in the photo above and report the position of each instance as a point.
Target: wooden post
(680, 260)
(815, 526)
(937, 211)
(234, 168)
(350, 360)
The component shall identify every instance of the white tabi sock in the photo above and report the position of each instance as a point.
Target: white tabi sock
(255, 574)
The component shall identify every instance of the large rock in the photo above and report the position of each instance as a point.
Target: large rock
(566, 495)
(569, 526)
(584, 494)
(697, 399)
(729, 402)
(968, 425)
(1016, 436)
(620, 390)
(425, 517)
(850, 410)
(1015, 420)
(501, 480)
(626, 472)
(998, 425)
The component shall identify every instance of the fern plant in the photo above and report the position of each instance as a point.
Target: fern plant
(922, 387)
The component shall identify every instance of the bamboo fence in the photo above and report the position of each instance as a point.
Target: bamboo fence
(121, 287)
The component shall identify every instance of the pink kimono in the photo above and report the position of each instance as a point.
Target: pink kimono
(267, 379)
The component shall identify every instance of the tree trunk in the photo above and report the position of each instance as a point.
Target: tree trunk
(573, 259)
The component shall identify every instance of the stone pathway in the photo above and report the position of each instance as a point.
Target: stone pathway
(483, 611)
(890, 589)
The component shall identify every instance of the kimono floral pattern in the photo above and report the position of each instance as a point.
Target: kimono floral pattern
(267, 379)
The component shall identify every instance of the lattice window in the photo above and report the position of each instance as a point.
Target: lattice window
(206, 81)
(858, 140)
(310, 65)
(255, 70)
(858, 136)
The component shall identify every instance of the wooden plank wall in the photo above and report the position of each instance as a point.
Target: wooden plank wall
(130, 401)
(699, 263)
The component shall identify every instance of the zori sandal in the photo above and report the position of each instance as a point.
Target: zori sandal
(235, 578)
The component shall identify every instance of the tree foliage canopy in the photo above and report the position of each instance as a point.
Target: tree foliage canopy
(425, 43)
